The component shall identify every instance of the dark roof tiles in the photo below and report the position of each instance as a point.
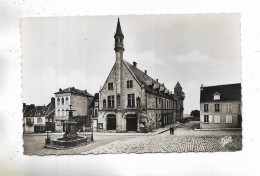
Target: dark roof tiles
(229, 92)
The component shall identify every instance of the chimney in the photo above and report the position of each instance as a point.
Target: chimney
(60, 89)
(201, 88)
(134, 64)
(145, 71)
(157, 80)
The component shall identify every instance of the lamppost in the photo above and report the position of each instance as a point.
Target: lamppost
(92, 139)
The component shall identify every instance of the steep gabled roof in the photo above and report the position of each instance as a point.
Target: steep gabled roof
(229, 92)
(141, 77)
(73, 90)
(144, 79)
(39, 111)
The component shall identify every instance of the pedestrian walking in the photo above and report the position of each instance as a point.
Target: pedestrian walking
(172, 130)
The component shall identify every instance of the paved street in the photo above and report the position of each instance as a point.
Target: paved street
(184, 140)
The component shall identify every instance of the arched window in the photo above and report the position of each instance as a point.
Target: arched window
(62, 101)
(67, 100)
(39, 120)
(58, 101)
(104, 104)
(58, 112)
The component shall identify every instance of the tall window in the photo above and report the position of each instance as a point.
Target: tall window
(58, 112)
(62, 101)
(216, 107)
(111, 101)
(156, 103)
(58, 101)
(206, 107)
(131, 100)
(162, 104)
(229, 107)
(206, 118)
(110, 86)
(104, 104)
(67, 100)
(129, 84)
(95, 112)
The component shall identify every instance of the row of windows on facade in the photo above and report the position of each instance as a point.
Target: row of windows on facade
(61, 112)
(129, 84)
(30, 120)
(62, 102)
(218, 107)
(208, 119)
(160, 103)
(130, 101)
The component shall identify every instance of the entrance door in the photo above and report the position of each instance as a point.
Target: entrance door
(131, 123)
(111, 122)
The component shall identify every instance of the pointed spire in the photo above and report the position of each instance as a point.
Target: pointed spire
(178, 85)
(118, 28)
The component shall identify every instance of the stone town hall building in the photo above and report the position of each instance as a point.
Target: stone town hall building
(130, 100)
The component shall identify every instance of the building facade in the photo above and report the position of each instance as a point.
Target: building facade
(37, 118)
(220, 106)
(130, 100)
(94, 111)
(80, 101)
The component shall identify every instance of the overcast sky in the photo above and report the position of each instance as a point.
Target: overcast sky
(61, 52)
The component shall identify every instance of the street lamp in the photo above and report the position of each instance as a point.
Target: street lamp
(92, 139)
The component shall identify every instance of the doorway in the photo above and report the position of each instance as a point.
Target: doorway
(111, 122)
(131, 123)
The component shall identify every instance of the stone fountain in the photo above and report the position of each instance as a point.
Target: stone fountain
(70, 138)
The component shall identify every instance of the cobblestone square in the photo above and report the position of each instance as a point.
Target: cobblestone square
(184, 140)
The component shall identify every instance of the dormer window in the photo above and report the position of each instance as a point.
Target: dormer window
(216, 96)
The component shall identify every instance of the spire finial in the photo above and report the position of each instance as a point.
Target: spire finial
(118, 27)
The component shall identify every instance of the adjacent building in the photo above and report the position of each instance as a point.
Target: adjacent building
(38, 119)
(94, 111)
(220, 106)
(80, 101)
(130, 100)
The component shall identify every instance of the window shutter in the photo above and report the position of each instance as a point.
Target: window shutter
(202, 118)
(211, 107)
(228, 119)
(217, 118)
(202, 108)
(210, 118)
(226, 107)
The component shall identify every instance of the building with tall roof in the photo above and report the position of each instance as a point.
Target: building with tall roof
(130, 100)
(80, 101)
(220, 106)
